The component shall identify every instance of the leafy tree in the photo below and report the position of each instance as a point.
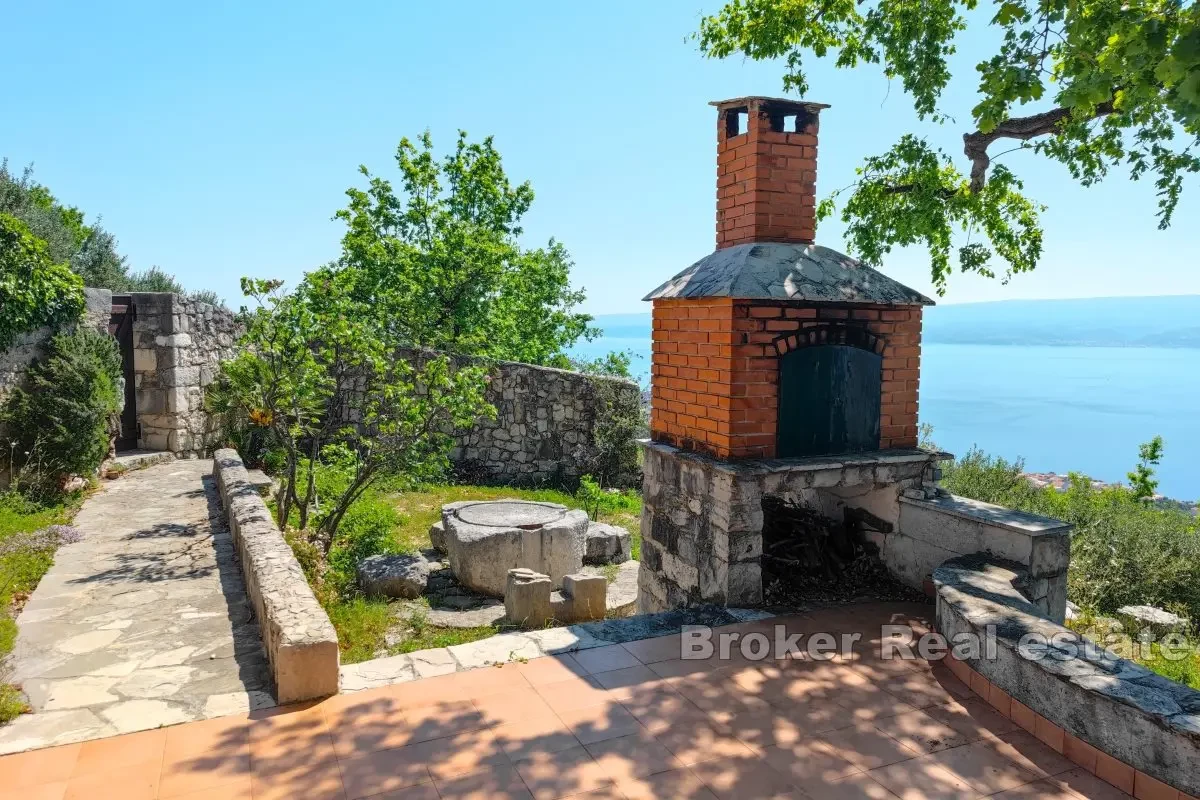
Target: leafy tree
(441, 261)
(1141, 480)
(61, 419)
(34, 289)
(1092, 84)
(89, 250)
(319, 371)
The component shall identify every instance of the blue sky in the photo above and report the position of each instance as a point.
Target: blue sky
(217, 139)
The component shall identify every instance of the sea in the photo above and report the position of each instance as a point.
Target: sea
(1058, 408)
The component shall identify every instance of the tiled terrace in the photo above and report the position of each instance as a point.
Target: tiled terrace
(626, 721)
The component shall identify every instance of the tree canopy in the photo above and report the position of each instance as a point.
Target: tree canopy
(89, 251)
(1092, 84)
(442, 262)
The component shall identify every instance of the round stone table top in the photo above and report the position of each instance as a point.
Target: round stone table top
(510, 514)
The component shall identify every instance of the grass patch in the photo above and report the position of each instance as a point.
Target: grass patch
(1185, 670)
(12, 703)
(420, 508)
(362, 625)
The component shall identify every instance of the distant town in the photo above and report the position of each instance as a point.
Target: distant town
(1061, 483)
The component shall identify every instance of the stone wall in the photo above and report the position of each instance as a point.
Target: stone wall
(178, 346)
(702, 518)
(1120, 721)
(545, 428)
(936, 529)
(300, 641)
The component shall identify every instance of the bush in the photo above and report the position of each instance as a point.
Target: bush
(368, 528)
(34, 291)
(61, 419)
(1122, 550)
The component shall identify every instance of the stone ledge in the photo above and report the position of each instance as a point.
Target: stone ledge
(989, 514)
(1122, 709)
(806, 464)
(300, 641)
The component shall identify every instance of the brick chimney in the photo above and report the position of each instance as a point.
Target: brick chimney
(766, 170)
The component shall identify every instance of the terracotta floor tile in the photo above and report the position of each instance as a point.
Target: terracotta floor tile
(610, 792)
(550, 669)
(922, 779)
(424, 791)
(975, 719)
(238, 790)
(869, 704)
(512, 705)
(230, 735)
(1026, 750)
(460, 754)
(290, 778)
(865, 746)
(219, 767)
(983, 768)
(921, 690)
(124, 782)
(562, 774)
(920, 732)
(605, 659)
(762, 728)
(697, 743)
(859, 786)
(38, 766)
(805, 762)
(632, 756)
(383, 771)
(429, 691)
(664, 711)
(544, 733)
(597, 723)
(487, 681)
(574, 694)
(679, 668)
(660, 648)
(626, 681)
(447, 718)
(42, 791)
(741, 777)
(1042, 790)
(815, 716)
(107, 755)
(1087, 785)
(498, 783)
(301, 731)
(680, 784)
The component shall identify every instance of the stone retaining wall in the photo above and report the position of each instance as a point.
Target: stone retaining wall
(300, 640)
(20, 355)
(546, 426)
(1128, 725)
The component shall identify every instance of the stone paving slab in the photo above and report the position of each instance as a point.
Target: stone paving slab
(143, 623)
(525, 645)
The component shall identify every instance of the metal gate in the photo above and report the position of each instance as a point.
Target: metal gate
(828, 400)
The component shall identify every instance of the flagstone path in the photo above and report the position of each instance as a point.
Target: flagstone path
(143, 623)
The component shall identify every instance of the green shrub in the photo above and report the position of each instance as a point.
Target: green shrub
(1122, 550)
(368, 528)
(61, 418)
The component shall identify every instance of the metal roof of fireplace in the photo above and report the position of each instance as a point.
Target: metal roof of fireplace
(774, 270)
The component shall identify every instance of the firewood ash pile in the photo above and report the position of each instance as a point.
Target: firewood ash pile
(810, 557)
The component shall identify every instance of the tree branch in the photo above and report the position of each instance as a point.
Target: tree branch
(975, 144)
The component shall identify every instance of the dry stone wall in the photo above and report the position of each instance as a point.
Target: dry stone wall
(20, 356)
(546, 426)
(178, 347)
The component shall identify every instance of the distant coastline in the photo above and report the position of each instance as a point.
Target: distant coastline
(1061, 483)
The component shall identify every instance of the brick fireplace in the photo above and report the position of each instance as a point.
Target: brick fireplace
(779, 367)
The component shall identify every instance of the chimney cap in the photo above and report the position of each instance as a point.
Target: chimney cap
(774, 103)
(783, 271)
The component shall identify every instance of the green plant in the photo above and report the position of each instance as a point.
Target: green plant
(367, 529)
(619, 422)
(442, 263)
(1110, 83)
(34, 290)
(1141, 479)
(61, 418)
(590, 496)
(12, 703)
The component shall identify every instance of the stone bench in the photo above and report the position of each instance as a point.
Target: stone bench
(1146, 721)
(300, 641)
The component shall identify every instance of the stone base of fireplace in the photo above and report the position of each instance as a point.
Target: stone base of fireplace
(702, 518)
